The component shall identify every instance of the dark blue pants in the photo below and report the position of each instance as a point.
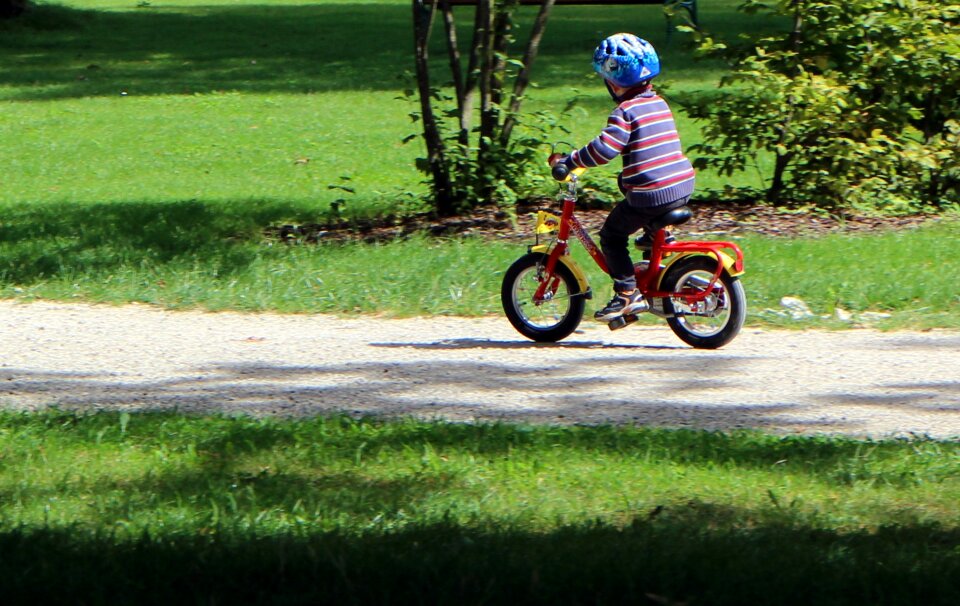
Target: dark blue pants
(622, 222)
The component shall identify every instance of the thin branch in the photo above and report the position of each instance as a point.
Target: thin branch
(523, 78)
(481, 27)
(453, 50)
(485, 52)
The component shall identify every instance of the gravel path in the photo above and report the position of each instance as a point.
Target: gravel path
(859, 382)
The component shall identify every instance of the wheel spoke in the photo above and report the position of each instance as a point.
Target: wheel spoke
(549, 312)
(703, 318)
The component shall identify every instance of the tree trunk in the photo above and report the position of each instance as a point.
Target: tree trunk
(481, 25)
(778, 184)
(782, 162)
(486, 83)
(444, 204)
(464, 91)
(502, 26)
(471, 167)
(453, 50)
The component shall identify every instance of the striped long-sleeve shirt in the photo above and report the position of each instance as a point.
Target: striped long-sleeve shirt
(642, 130)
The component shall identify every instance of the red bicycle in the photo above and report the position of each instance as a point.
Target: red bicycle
(694, 285)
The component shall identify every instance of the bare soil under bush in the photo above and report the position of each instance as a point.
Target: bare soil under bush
(709, 218)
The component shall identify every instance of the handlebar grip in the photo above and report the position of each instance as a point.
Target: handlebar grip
(560, 171)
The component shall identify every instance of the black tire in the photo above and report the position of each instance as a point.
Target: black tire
(725, 311)
(552, 320)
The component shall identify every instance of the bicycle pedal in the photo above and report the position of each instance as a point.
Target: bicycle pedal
(621, 322)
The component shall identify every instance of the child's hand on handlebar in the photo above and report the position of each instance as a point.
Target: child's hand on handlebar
(557, 162)
(561, 170)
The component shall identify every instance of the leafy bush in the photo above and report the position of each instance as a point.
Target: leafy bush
(511, 167)
(857, 105)
(470, 165)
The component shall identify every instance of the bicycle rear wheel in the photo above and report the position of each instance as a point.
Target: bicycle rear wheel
(710, 323)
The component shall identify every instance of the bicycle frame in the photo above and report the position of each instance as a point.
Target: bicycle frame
(662, 256)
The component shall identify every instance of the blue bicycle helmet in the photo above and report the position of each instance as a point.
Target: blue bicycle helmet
(626, 60)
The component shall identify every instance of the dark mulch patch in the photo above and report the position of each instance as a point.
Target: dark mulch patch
(710, 218)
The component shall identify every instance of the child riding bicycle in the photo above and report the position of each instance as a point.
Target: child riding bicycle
(656, 177)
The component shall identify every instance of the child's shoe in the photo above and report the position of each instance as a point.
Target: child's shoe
(621, 304)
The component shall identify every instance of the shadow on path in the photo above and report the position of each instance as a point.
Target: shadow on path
(650, 391)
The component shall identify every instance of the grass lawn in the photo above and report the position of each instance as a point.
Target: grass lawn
(146, 147)
(227, 102)
(159, 509)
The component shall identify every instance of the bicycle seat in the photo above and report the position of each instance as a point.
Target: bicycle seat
(671, 217)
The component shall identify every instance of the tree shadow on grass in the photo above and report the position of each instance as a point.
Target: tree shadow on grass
(79, 53)
(58, 52)
(690, 556)
(220, 485)
(675, 552)
(47, 240)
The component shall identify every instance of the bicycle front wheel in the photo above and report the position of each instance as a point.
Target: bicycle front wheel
(559, 312)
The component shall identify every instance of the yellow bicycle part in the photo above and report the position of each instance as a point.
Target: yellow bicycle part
(728, 262)
(575, 173)
(547, 222)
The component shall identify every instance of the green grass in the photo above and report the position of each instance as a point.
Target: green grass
(145, 151)
(214, 256)
(217, 101)
(910, 274)
(147, 148)
(116, 508)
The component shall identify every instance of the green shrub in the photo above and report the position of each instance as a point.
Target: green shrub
(857, 104)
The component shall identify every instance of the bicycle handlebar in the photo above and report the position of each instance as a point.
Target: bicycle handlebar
(560, 171)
